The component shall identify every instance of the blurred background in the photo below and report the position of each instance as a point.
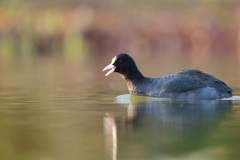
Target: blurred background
(199, 30)
(75, 39)
(53, 94)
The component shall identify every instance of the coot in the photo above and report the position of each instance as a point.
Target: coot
(184, 84)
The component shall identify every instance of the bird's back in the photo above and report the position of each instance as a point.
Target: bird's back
(189, 84)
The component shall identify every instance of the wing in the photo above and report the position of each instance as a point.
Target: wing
(182, 84)
(190, 80)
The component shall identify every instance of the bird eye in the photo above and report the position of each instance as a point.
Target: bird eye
(119, 61)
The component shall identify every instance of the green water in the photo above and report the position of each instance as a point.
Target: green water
(56, 110)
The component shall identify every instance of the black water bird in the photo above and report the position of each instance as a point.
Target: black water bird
(184, 84)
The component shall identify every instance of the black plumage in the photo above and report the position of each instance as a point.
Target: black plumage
(184, 84)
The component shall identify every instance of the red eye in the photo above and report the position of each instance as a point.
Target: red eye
(119, 61)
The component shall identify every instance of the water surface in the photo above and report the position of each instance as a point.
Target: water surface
(56, 110)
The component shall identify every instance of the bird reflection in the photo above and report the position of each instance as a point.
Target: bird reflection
(110, 136)
(164, 127)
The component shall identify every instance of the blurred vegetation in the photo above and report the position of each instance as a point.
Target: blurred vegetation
(73, 29)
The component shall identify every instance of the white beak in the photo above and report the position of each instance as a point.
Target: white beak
(110, 66)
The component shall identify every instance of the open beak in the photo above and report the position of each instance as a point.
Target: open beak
(110, 66)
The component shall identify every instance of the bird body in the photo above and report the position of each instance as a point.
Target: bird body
(184, 84)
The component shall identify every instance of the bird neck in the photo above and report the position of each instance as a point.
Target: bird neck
(133, 80)
(133, 75)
